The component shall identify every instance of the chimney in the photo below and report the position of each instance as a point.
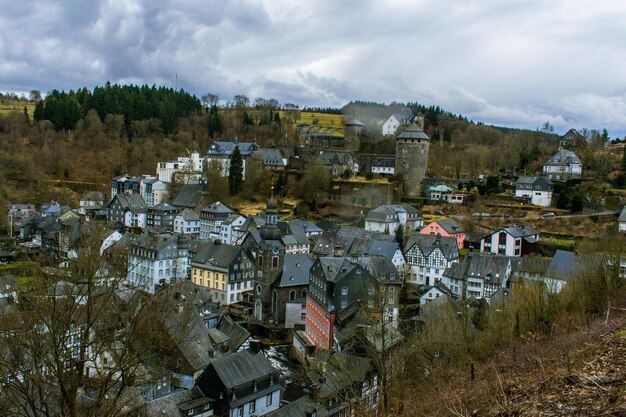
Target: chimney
(255, 346)
(338, 251)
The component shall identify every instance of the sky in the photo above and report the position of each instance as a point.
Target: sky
(517, 63)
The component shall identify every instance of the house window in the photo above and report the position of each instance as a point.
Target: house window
(268, 400)
(251, 407)
(370, 290)
(303, 316)
(292, 295)
(274, 261)
(240, 411)
(344, 290)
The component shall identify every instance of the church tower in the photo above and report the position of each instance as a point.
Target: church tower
(412, 158)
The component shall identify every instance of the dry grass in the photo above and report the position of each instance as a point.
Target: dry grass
(576, 373)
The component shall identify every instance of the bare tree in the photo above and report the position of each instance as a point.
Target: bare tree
(70, 346)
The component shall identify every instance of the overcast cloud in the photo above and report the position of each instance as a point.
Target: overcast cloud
(506, 62)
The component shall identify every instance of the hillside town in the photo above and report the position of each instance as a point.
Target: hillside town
(183, 306)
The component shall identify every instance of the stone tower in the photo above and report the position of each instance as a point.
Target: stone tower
(412, 158)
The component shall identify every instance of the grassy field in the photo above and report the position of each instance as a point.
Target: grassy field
(8, 106)
(323, 120)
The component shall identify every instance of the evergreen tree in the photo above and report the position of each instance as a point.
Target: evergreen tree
(215, 124)
(563, 200)
(577, 204)
(400, 235)
(235, 173)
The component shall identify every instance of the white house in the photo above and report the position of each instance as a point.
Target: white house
(154, 260)
(563, 166)
(384, 166)
(433, 292)
(230, 229)
(515, 240)
(404, 116)
(387, 218)
(189, 168)
(220, 152)
(211, 219)
(187, 222)
(428, 256)
(537, 189)
(153, 191)
(480, 275)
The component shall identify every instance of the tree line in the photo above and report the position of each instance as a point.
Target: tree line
(65, 109)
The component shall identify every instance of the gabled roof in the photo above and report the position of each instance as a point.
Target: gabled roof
(479, 265)
(224, 148)
(428, 243)
(218, 208)
(380, 267)
(242, 367)
(270, 157)
(404, 115)
(382, 247)
(564, 265)
(189, 196)
(523, 231)
(450, 226)
(571, 135)
(132, 202)
(332, 267)
(526, 264)
(219, 255)
(234, 331)
(355, 123)
(336, 158)
(388, 213)
(544, 184)
(93, 196)
(564, 157)
(163, 206)
(189, 215)
(296, 268)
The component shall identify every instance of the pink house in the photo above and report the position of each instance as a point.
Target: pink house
(445, 227)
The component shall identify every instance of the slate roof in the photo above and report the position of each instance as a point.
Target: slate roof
(380, 267)
(133, 202)
(163, 206)
(571, 135)
(270, 157)
(479, 265)
(384, 161)
(220, 255)
(523, 231)
(531, 183)
(532, 265)
(384, 248)
(413, 132)
(232, 218)
(218, 208)
(189, 215)
(236, 333)
(223, 148)
(188, 197)
(336, 158)
(564, 265)
(564, 157)
(298, 408)
(388, 213)
(404, 115)
(305, 225)
(242, 367)
(450, 226)
(93, 196)
(428, 243)
(296, 268)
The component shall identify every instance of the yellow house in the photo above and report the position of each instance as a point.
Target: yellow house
(225, 270)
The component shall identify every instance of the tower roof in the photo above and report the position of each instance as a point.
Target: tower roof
(413, 132)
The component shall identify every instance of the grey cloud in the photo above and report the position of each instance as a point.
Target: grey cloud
(516, 62)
